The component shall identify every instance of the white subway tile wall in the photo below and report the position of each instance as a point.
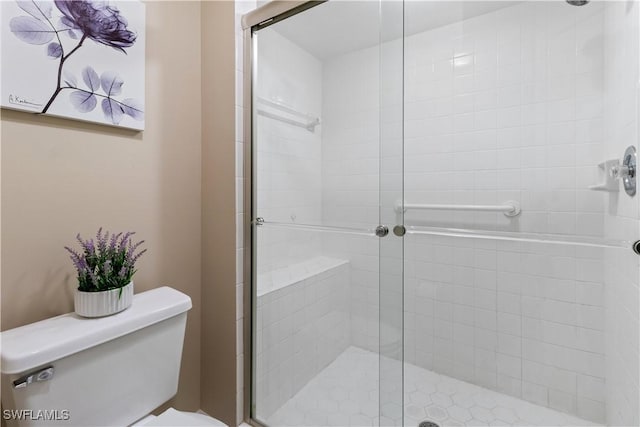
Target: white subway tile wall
(351, 180)
(289, 172)
(622, 267)
(302, 326)
(503, 106)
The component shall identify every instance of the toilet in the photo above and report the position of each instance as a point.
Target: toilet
(109, 371)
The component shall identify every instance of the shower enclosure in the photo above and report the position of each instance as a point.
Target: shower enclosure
(443, 213)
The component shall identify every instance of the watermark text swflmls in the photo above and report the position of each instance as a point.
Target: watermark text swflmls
(36, 414)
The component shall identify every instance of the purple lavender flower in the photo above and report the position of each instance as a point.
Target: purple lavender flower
(125, 239)
(114, 240)
(76, 258)
(122, 273)
(107, 263)
(84, 267)
(88, 246)
(98, 21)
(93, 279)
(102, 240)
(135, 258)
(132, 247)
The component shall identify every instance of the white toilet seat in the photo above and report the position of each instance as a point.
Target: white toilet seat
(174, 418)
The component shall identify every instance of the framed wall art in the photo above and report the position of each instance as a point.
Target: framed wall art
(78, 59)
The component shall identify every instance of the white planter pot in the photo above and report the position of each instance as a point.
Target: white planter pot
(98, 304)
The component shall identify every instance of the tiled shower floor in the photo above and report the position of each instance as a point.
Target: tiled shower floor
(345, 394)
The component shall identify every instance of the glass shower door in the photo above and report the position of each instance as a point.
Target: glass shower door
(327, 174)
(520, 223)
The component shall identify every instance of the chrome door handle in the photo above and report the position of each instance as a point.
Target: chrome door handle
(399, 230)
(382, 230)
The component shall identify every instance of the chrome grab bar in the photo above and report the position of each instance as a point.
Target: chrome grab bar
(510, 208)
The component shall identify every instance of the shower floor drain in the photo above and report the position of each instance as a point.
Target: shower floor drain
(428, 424)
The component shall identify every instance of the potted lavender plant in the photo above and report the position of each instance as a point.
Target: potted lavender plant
(105, 268)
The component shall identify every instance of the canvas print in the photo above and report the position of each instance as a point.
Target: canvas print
(80, 59)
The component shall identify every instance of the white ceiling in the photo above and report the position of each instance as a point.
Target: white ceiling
(341, 26)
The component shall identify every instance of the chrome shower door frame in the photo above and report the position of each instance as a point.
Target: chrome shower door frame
(390, 285)
(261, 17)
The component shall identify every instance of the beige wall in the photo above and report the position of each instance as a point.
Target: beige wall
(60, 177)
(220, 343)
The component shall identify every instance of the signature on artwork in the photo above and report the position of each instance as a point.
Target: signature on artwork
(18, 100)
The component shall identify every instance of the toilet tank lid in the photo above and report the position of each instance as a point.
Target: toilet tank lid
(36, 344)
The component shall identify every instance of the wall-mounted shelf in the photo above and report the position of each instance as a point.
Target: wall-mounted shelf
(307, 121)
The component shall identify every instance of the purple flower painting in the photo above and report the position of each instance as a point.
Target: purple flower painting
(65, 57)
(98, 21)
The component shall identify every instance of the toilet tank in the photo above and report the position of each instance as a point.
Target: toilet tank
(109, 371)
